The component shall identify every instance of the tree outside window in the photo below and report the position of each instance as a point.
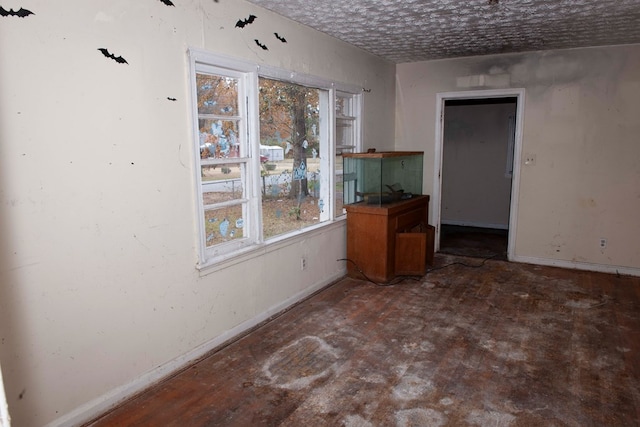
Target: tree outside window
(289, 122)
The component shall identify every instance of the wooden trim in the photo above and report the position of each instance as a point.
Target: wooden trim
(382, 154)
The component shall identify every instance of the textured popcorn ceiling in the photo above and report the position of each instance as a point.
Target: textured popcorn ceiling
(417, 30)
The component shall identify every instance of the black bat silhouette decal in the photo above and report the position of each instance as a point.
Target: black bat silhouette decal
(263, 46)
(282, 39)
(167, 2)
(21, 13)
(118, 59)
(244, 22)
(170, 98)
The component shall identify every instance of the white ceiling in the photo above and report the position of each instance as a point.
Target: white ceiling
(418, 30)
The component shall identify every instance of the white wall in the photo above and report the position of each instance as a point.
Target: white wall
(476, 189)
(580, 121)
(99, 292)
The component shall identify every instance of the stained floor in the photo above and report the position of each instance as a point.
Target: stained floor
(472, 343)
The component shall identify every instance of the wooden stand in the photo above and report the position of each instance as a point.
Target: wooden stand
(387, 240)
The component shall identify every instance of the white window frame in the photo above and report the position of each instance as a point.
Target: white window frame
(355, 119)
(248, 74)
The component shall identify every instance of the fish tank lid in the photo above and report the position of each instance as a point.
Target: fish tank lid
(382, 154)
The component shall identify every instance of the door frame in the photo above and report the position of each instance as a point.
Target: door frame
(519, 94)
(5, 419)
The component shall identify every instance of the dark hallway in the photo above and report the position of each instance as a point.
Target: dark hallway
(474, 242)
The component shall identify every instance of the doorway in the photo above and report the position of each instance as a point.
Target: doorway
(476, 177)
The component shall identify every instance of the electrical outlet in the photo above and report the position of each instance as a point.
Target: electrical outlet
(303, 263)
(530, 159)
(603, 243)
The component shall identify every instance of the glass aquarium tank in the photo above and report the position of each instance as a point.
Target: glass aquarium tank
(378, 178)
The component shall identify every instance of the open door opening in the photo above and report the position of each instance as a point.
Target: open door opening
(5, 420)
(476, 174)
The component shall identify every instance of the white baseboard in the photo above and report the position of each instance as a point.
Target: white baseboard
(601, 268)
(475, 224)
(109, 400)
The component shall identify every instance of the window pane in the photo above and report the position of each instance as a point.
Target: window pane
(223, 225)
(344, 134)
(344, 105)
(218, 139)
(339, 190)
(282, 213)
(217, 95)
(346, 140)
(221, 183)
(289, 122)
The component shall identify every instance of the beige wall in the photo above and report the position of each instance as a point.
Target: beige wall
(476, 189)
(580, 121)
(99, 291)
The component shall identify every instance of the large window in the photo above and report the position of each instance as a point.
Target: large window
(268, 153)
(295, 156)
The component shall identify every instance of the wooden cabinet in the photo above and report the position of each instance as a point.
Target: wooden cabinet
(374, 242)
